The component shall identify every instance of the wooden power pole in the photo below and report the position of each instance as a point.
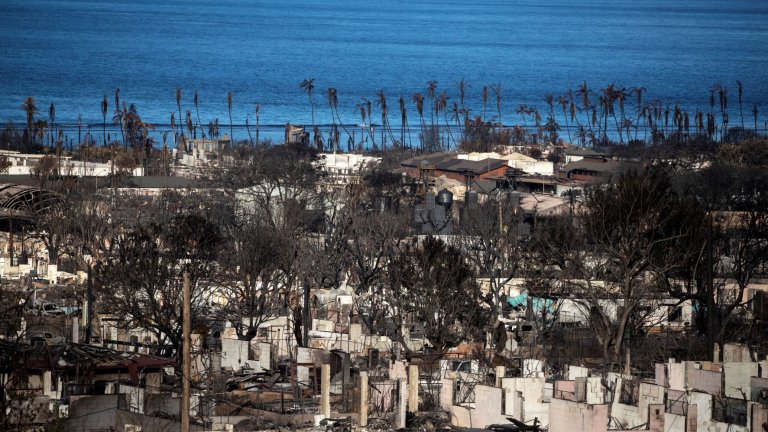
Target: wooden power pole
(185, 358)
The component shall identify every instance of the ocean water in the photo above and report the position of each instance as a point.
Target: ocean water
(72, 53)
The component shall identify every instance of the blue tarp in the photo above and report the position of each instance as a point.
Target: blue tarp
(537, 303)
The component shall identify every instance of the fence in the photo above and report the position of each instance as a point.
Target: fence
(382, 397)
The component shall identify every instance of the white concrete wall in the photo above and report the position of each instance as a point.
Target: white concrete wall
(567, 416)
(234, 353)
(524, 399)
(674, 423)
(676, 377)
(737, 378)
(631, 416)
(595, 391)
(577, 372)
(486, 410)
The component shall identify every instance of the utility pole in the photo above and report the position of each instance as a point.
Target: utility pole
(306, 316)
(89, 306)
(711, 317)
(185, 358)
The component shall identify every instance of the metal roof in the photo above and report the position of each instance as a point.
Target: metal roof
(19, 200)
(447, 162)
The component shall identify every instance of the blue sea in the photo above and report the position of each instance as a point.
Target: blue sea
(72, 53)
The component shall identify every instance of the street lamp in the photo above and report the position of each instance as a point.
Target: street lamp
(89, 261)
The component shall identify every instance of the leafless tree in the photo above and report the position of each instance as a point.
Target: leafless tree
(430, 285)
(141, 280)
(636, 231)
(489, 240)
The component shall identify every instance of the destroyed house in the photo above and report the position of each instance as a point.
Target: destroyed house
(445, 164)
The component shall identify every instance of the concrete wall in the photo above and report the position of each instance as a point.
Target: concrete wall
(703, 402)
(631, 416)
(735, 353)
(486, 410)
(660, 375)
(674, 423)
(595, 391)
(85, 405)
(565, 390)
(706, 381)
(263, 356)
(737, 378)
(135, 397)
(162, 403)
(577, 372)
(309, 355)
(759, 418)
(567, 416)
(524, 399)
(234, 353)
(103, 420)
(676, 377)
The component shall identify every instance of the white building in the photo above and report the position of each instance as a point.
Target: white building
(345, 168)
(26, 163)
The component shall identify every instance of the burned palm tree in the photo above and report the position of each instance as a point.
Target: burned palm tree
(248, 129)
(229, 108)
(178, 105)
(195, 102)
(363, 117)
(698, 117)
(29, 106)
(462, 85)
(308, 85)
(523, 110)
(333, 103)
(457, 117)
(403, 120)
(257, 113)
(621, 94)
(607, 98)
(119, 116)
(549, 99)
(368, 107)
(211, 130)
(190, 126)
(723, 98)
(572, 107)
(754, 114)
(537, 120)
(120, 119)
(165, 154)
(173, 129)
(562, 100)
(432, 96)
(638, 93)
(104, 107)
(485, 101)
(441, 107)
(52, 126)
(584, 93)
(39, 130)
(381, 101)
(741, 94)
(418, 99)
(496, 88)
